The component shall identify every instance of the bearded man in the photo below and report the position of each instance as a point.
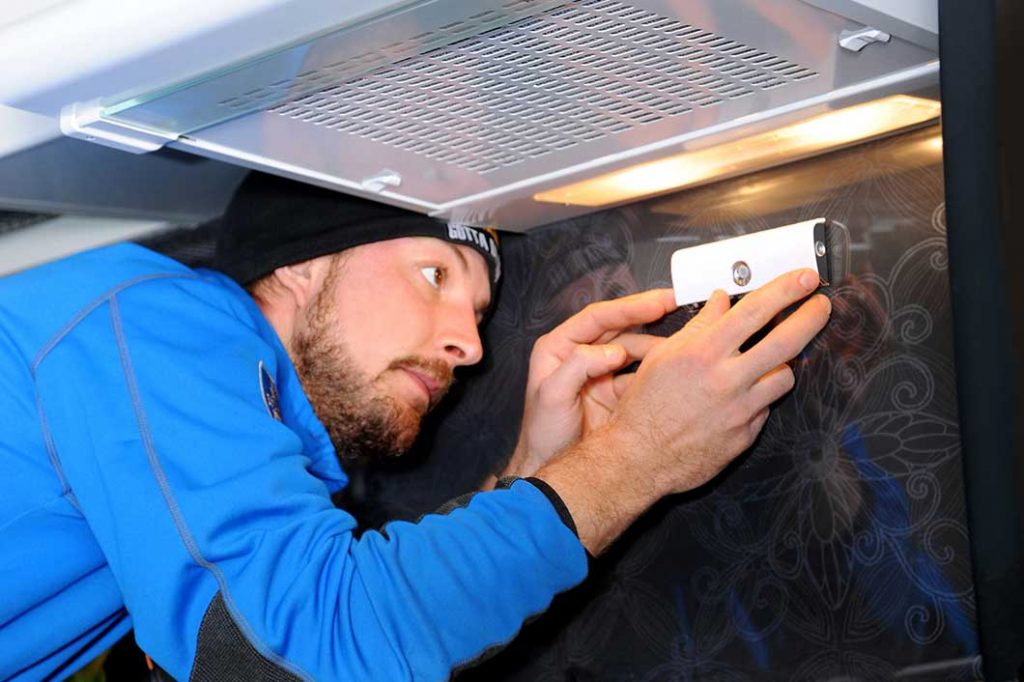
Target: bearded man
(171, 443)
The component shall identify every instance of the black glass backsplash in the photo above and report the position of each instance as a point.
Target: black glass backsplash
(837, 548)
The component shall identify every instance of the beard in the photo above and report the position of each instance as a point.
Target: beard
(361, 418)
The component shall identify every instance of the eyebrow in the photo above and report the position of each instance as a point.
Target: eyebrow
(462, 259)
(480, 310)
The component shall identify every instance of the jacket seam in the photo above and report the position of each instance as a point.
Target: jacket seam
(76, 319)
(51, 452)
(172, 506)
(87, 309)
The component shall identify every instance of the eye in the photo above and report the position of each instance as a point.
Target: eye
(434, 275)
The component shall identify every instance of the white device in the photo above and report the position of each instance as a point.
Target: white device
(741, 264)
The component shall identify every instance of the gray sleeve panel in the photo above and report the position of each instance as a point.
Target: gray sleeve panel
(506, 482)
(455, 503)
(223, 654)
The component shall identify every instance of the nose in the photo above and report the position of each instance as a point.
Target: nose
(460, 337)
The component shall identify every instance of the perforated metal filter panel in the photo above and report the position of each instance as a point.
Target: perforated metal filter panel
(363, 62)
(567, 76)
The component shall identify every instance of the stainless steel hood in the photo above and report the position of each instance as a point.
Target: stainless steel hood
(467, 110)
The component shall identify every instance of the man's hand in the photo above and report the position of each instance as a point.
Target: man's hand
(571, 389)
(695, 403)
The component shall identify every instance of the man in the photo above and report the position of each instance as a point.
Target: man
(171, 444)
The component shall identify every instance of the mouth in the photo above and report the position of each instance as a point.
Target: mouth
(430, 385)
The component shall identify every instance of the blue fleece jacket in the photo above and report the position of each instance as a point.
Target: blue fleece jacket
(163, 470)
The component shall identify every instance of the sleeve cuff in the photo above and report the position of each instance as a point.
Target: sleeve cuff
(549, 492)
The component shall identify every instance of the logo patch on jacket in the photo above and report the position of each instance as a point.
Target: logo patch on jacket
(269, 390)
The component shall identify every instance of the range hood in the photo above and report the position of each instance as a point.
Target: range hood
(475, 112)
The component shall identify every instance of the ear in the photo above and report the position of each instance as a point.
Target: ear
(302, 280)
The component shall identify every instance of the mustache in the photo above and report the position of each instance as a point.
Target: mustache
(437, 369)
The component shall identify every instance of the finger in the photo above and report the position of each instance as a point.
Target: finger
(787, 339)
(637, 346)
(616, 315)
(583, 364)
(621, 383)
(714, 308)
(757, 308)
(771, 387)
(757, 423)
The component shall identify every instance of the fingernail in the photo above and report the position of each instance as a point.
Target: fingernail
(809, 280)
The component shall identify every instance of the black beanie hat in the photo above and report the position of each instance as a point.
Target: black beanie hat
(272, 222)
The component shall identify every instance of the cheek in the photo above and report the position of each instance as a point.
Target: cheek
(379, 328)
